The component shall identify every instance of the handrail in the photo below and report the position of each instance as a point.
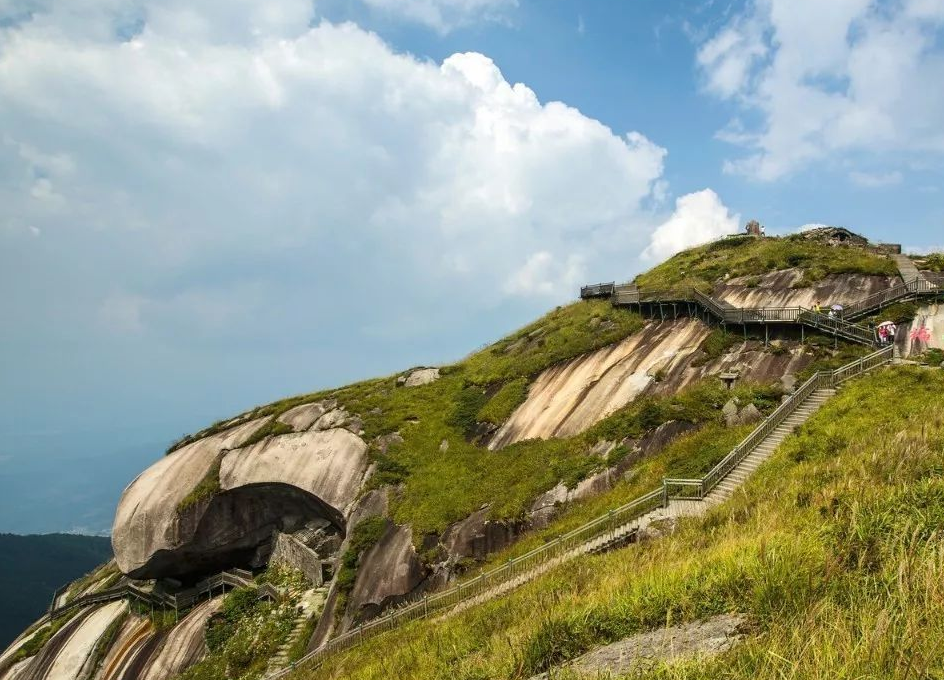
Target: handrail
(629, 293)
(613, 523)
(234, 578)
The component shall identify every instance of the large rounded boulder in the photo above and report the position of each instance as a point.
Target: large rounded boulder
(216, 502)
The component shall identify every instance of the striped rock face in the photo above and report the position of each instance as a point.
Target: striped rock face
(135, 651)
(569, 398)
(776, 289)
(279, 483)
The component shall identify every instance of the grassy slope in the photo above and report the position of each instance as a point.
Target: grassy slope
(437, 487)
(745, 256)
(832, 551)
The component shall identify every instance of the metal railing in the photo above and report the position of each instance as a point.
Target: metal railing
(929, 283)
(617, 522)
(699, 488)
(233, 578)
(629, 294)
(597, 290)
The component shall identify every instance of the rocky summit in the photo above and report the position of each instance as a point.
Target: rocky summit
(310, 530)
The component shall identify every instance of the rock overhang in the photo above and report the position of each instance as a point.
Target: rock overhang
(276, 484)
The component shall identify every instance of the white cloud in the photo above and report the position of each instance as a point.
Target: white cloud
(541, 274)
(829, 79)
(223, 168)
(875, 180)
(445, 15)
(699, 217)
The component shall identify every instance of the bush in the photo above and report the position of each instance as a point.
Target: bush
(503, 403)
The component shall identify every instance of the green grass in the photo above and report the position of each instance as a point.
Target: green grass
(933, 262)
(107, 573)
(437, 488)
(748, 256)
(718, 343)
(206, 488)
(503, 403)
(364, 536)
(242, 637)
(35, 644)
(832, 551)
(562, 334)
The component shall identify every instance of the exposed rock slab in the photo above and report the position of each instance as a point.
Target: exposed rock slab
(327, 464)
(16, 671)
(775, 289)
(133, 634)
(146, 520)
(421, 376)
(569, 398)
(930, 317)
(302, 417)
(388, 572)
(644, 651)
(71, 657)
(477, 536)
(184, 645)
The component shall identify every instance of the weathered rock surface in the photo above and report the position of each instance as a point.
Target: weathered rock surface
(327, 464)
(421, 376)
(567, 399)
(644, 651)
(146, 521)
(930, 317)
(72, 652)
(775, 289)
(389, 571)
(477, 536)
(184, 645)
(304, 416)
(277, 484)
(134, 634)
(570, 397)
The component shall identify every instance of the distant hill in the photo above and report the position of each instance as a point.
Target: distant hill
(34, 566)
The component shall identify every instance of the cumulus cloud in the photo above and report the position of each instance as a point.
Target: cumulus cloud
(699, 217)
(445, 15)
(231, 170)
(829, 79)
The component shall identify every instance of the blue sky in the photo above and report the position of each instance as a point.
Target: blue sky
(209, 205)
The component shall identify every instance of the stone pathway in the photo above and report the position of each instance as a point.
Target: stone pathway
(310, 602)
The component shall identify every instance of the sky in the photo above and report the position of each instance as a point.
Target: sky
(211, 204)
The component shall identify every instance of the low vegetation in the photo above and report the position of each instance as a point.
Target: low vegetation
(832, 551)
(364, 536)
(242, 637)
(34, 644)
(208, 487)
(749, 256)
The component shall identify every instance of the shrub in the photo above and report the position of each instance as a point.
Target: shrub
(503, 403)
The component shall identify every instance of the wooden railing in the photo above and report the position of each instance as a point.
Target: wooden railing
(233, 578)
(616, 522)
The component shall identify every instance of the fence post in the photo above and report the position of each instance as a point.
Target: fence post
(665, 494)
